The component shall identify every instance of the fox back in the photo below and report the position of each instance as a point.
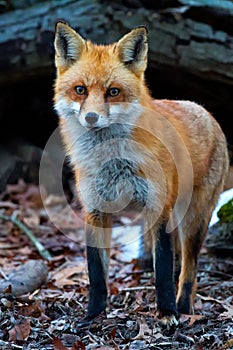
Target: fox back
(167, 157)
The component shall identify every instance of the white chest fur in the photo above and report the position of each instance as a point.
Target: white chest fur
(110, 160)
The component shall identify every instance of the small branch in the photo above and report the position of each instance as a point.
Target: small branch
(6, 345)
(10, 205)
(216, 273)
(95, 339)
(131, 289)
(42, 251)
(3, 274)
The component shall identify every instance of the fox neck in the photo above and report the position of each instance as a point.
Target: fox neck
(95, 146)
(145, 99)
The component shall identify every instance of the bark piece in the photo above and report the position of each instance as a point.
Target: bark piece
(196, 35)
(27, 278)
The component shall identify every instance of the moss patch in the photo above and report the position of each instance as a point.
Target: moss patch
(225, 213)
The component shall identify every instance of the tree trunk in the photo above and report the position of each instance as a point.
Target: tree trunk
(195, 35)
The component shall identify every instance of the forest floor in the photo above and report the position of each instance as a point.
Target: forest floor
(47, 316)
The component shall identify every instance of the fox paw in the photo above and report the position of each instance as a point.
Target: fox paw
(89, 320)
(167, 321)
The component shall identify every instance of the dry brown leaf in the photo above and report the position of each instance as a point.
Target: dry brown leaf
(54, 200)
(32, 197)
(119, 313)
(34, 310)
(57, 344)
(78, 346)
(33, 220)
(27, 194)
(20, 187)
(226, 314)
(112, 334)
(210, 299)
(191, 318)
(64, 276)
(105, 348)
(144, 330)
(229, 308)
(25, 251)
(229, 344)
(65, 218)
(20, 331)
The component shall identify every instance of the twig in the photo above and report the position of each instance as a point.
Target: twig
(42, 251)
(202, 297)
(95, 339)
(6, 344)
(131, 289)
(3, 274)
(216, 273)
(10, 205)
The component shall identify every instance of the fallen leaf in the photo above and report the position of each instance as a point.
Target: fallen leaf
(144, 330)
(65, 218)
(33, 220)
(208, 298)
(112, 334)
(229, 308)
(78, 346)
(226, 314)
(229, 344)
(32, 197)
(64, 276)
(191, 319)
(117, 313)
(25, 251)
(20, 331)
(53, 200)
(20, 187)
(57, 344)
(27, 194)
(33, 310)
(103, 347)
(106, 348)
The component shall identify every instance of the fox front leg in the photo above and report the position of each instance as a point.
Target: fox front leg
(98, 240)
(164, 277)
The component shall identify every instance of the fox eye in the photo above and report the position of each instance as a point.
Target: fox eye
(80, 90)
(113, 92)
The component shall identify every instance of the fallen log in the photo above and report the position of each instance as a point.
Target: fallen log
(194, 35)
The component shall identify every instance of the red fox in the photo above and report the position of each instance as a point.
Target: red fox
(167, 157)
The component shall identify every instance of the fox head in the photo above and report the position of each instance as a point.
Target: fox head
(99, 84)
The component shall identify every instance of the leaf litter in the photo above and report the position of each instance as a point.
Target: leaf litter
(48, 317)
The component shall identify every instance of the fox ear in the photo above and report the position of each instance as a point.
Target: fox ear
(132, 49)
(68, 46)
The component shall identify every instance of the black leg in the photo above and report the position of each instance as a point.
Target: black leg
(184, 304)
(164, 273)
(98, 288)
(98, 239)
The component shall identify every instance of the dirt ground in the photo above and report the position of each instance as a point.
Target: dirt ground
(47, 316)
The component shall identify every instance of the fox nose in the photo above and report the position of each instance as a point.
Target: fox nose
(91, 117)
